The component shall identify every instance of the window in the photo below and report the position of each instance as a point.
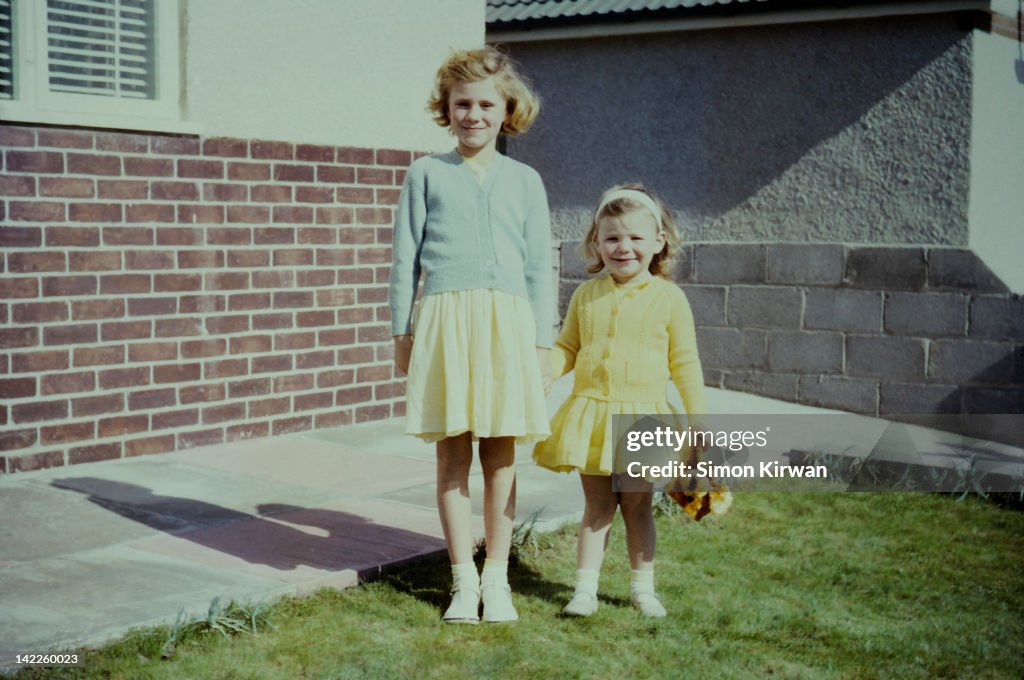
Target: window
(101, 63)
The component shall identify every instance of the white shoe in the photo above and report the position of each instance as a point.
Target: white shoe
(581, 604)
(648, 604)
(464, 608)
(498, 607)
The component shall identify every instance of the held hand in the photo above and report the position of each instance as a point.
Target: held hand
(545, 369)
(403, 350)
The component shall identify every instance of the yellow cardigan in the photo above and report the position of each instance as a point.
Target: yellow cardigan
(626, 341)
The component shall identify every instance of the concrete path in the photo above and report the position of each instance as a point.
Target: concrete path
(89, 551)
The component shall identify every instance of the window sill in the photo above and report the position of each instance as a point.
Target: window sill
(12, 113)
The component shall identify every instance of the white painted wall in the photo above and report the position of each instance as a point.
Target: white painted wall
(341, 72)
(996, 213)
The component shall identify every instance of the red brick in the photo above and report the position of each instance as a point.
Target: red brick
(225, 192)
(149, 445)
(193, 259)
(201, 169)
(374, 255)
(315, 278)
(271, 321)
(293, 383)
(94, 453)
(121, 284)
(219, 414)
(194, 394)
(82, 237)
(314, 194)
(227, 324)
(65, 187)
(398, 409)
(70, 335)
(393, 157)
(318, 235)
(354, 195)
(366, 414)
(371, 295)
(248, 214)
(229, 236)
(314, 360)
(337, 336)
(20, 237)
(373, 334)
(373, 215)
(82, 310)
(353, 395)
(173, 328)
(335, 378)
(11, 135)
(17, 388)
(179, 236)
(90, 164)
(60, 286)
(152, 306)
(177, 373)
(94, 212)
(294, 173)
(289, 299)
(123, 425)
(291, 425)
(277, 150)
(388, 196)
(335, 297)
(119, 141)
(272, 364)
(98, 356)
(247, 301)
(201, 304)
(367, 374)
(177, 283)
(201, 214)
(310, 152)
(40, 410)
(274, 235)
(227, 280)
(151, 399)
(274, 279)
(334, 257)
(18, 439)
(225, 146)
(291, 341)
(385, 235)
(36, 211)
(35, 461)
(225, 368)
(333, 174)
(248, 258)
(126, 330)
(66, 139)
(153, 351)
(375, 176)
(314, 319)
(148, 167)
(249, 171)
(335, 419)
(94, 406)
(308, 402)
(293, 214)
(247, 431)
(271, 193)
(148, 259)
(124, 377)
(123, 189)
(347, 154)
(19, 288)
(251, 344)
(335, 215)
(269, 407)
(93, 262)
(175, 191)
(175, 419)
(62, 434)
(357, 235)
(149, 213)
(50, 162)
(127, 236)
(181, 146)
(27, 262)
(249, 388)
(194, 349)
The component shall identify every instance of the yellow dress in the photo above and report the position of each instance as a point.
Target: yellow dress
(474, 365)
(625, 343)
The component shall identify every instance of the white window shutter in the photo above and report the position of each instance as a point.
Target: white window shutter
(101, 47)
(6, 51)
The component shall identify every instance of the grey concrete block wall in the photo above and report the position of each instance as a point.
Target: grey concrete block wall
(890, 331)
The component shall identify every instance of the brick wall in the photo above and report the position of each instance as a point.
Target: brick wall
(876, 330)
(163, 292)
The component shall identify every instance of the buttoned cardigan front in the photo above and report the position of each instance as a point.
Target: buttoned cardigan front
(463, 234)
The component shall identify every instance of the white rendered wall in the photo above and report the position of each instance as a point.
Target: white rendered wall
(996, 211)
(341, 72)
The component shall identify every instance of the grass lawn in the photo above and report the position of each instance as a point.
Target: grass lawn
(785, 586)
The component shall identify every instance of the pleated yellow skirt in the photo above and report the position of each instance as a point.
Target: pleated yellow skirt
(474, 368)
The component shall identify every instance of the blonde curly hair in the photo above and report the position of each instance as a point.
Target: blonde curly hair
(661, 263)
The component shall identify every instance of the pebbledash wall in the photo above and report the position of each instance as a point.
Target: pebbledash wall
(163, 292)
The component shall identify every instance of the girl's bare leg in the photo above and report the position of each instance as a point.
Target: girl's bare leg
(640, 542)
(598, 511)
(454, 457)
(497, 458)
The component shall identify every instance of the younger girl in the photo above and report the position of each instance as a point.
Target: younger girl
(626, 334)
(476, 224)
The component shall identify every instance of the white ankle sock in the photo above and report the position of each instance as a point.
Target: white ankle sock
(464, 576)
(495, 571)
(641, 581)
(586, 581)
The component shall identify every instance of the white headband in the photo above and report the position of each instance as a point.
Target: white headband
(633, 195)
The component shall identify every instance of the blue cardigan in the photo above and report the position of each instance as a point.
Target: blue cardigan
(463, 234)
